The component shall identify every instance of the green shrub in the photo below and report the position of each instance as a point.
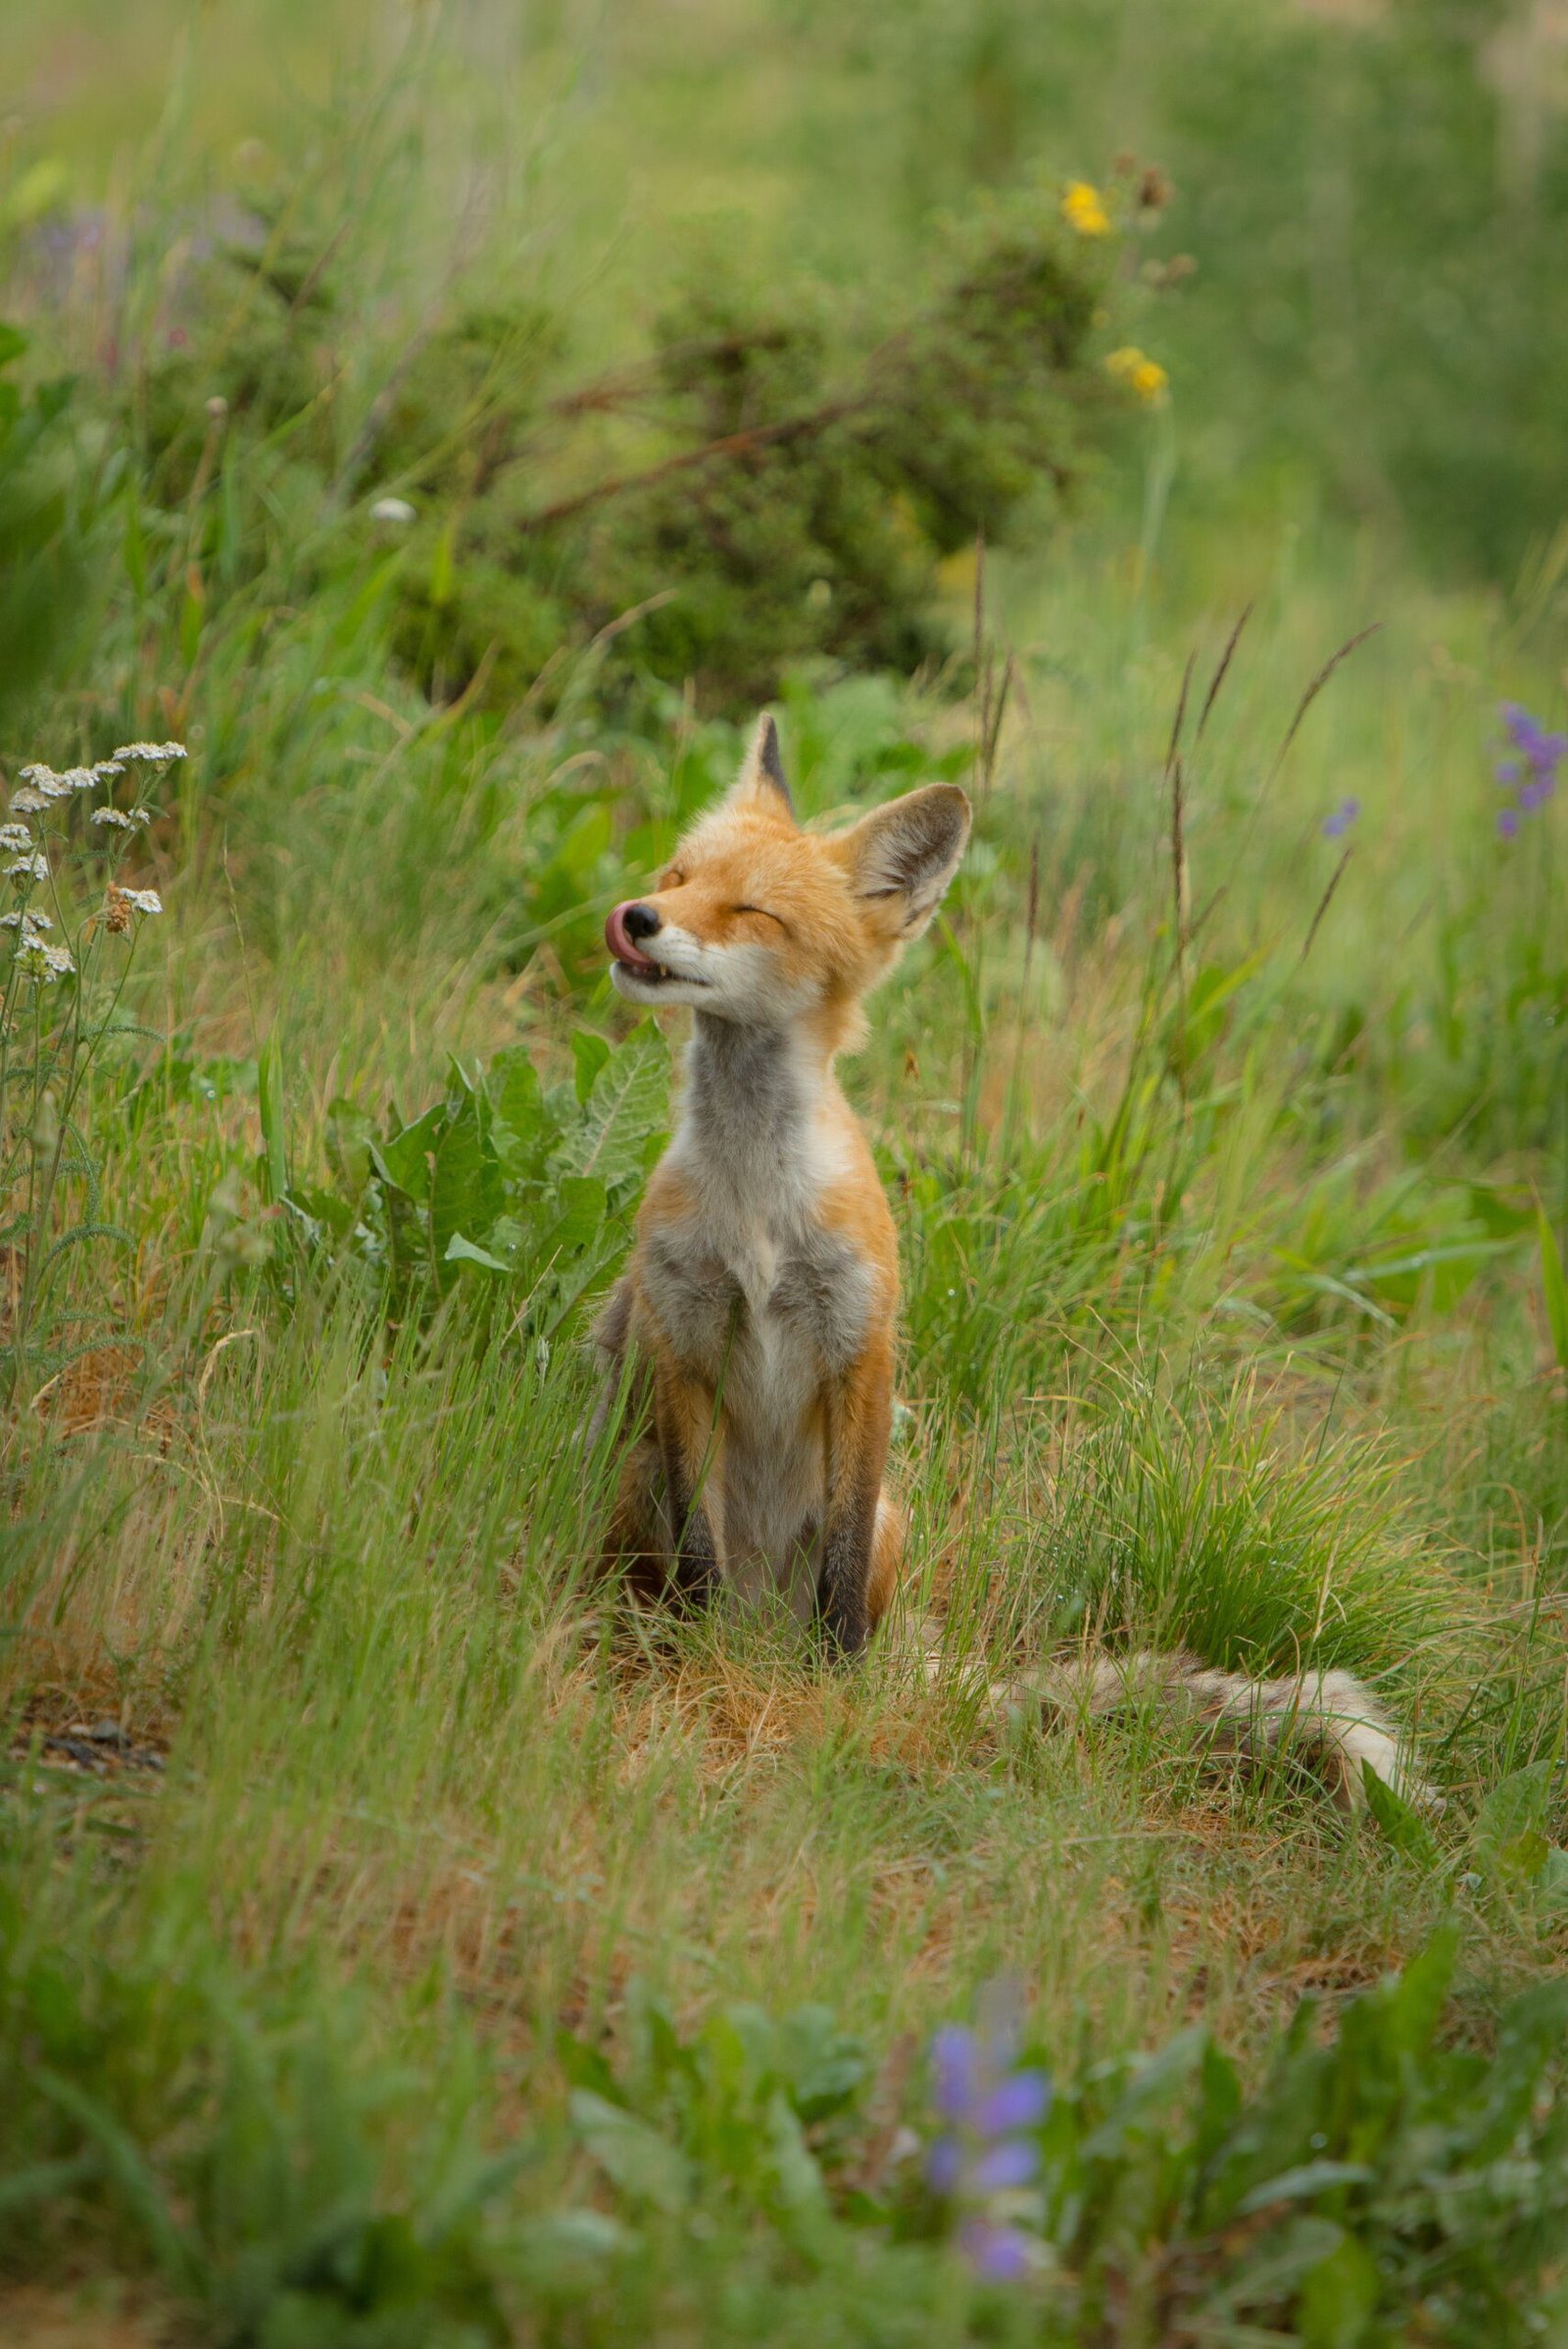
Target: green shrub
(772, 484)
(748, 2179)
(503, 1181)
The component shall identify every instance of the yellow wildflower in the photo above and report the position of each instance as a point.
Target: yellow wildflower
(1084, 208)
(1143, 375)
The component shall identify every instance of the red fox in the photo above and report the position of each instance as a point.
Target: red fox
(756, 1320)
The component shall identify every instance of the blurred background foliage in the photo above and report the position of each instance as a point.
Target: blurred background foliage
(1374, 191)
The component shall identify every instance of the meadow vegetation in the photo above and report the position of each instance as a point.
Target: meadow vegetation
(397, 1946)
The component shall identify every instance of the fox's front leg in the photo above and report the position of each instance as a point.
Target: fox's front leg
(860, 1421)
(684, 1423)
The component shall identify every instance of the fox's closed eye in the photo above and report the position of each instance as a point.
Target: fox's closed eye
(763, 911)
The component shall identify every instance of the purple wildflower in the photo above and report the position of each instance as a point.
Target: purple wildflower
(1021, 2102)
(1007, 2166)
(1533, 776)
(1335, 826)
(985, 2157)
(1522, 731)
(955, 2072)
(1001, 2254)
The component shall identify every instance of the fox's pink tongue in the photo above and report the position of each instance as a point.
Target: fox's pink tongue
(624, 945)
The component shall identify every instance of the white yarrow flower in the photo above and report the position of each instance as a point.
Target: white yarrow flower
(47, 784)
(27, 801)
(14, 836)
(120, 821)
(105, 770)
(392, 510)
(145, 900)
(151, 753)
(31, 917)
(36, 960)
(29, 868)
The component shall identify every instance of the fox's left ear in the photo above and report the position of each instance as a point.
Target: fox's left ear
(903, 855)
(762, 774)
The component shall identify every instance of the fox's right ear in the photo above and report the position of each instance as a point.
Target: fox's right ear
(901, 856)
(761, 775)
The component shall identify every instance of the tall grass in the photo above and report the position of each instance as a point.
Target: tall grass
(353, 1836)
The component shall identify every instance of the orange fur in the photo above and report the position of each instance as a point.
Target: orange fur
(759, 1304)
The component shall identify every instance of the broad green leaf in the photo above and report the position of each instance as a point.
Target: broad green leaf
(575, 1250)
(1503, 1216)
(1522, 1857)
(589, 1055)
(628, 1101)
(1155, 2077)
(1219, 2087)
(465, 1192)
(462, 1252)
(824, 2067)
(1399, 1821)
(585, 2067)
(794, 2166)
(633, 2157)
(1415, 2000)
(326, 1206)
(1303, 2183)
(1552, 1881)
(1273, 2273)
(560, 2245)
(405, 1160)
(520, 1129)
(1515, 1807)
(581, 1219)
(1339, 2298)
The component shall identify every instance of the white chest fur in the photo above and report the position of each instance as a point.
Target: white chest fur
(757, 1296)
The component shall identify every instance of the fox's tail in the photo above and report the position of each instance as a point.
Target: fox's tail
(1329, 1718)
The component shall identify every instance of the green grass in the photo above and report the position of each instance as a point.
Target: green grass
(1229, 1320)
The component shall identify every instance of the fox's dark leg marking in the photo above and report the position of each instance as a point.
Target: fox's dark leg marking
(694, 1570)
(686, 1442)
(841, 1590)
(860, 1416)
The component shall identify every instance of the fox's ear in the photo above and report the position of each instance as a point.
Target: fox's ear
(903, 855)
(762, 774)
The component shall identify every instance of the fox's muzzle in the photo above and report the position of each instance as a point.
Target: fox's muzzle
(627, 924)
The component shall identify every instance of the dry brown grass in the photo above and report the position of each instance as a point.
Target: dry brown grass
(104, 2312)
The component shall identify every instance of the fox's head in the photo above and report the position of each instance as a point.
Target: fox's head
(761, 923)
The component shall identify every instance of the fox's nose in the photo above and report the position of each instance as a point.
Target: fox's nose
(626, 925)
